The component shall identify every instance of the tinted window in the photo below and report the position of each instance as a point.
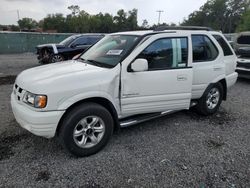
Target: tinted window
(81, 41)
(226, 49)
(203, 48)
(166, 53)
(68, 40)
(243, 39)
(94, 39)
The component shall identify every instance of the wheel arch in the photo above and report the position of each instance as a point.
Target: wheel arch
(221, 79)
(224, 86)
(98, 100)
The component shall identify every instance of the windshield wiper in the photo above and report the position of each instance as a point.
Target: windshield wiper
(82, 60)
(94, 62)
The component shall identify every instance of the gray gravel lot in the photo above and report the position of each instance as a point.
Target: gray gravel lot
(180, 150)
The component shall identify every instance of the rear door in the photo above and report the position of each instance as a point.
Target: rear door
(166, 85)
(208, 65)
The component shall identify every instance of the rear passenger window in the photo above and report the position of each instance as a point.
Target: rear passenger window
(166, 54)
(203, 49)
(225, 47)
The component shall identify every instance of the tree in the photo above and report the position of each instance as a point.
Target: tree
(75, 9)
(14, 28)
(79, 21)
(27, 23)
(145, 24)
(244, 22)
(221, 15)
(120, 20)
(132, 19)
(54, 22)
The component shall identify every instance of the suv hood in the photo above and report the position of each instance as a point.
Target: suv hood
(60, 72)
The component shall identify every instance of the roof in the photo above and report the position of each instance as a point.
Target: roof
(145, 32)
(140, 33)
(88, 34)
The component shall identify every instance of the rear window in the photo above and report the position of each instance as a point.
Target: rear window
(243, 40)
(225, 47)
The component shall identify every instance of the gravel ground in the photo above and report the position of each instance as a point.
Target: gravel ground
(180, 150)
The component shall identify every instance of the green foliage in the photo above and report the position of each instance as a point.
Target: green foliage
(27, 23)
(53, 22)
(80, 21)
(244, 22)
(221, 15)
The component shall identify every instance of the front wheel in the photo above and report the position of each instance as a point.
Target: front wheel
(86, 129)
(210, 102)
(56, 58)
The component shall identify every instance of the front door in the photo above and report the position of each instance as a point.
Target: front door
(166, 85)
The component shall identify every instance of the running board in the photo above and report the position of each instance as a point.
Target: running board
(126, 122)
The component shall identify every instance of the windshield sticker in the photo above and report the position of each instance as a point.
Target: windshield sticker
(114, 52)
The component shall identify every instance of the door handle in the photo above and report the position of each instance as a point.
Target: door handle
(181, 78)
(217, 68)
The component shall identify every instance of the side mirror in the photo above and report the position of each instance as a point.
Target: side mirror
(139, 65)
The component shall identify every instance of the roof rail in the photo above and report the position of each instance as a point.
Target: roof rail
(163, 28)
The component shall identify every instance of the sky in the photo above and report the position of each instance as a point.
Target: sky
(174, 10)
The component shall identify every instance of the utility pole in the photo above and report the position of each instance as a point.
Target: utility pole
(159, 18)
(18, 16)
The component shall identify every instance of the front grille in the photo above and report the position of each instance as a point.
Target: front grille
(18, 92)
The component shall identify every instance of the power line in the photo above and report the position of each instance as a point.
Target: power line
(159, 17)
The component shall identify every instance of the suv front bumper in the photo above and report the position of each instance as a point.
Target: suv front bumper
(39, 123)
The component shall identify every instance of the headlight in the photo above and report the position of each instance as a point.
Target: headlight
(37, 101)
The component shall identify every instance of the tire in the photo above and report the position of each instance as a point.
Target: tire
(210, 102)
(86, 129)
(56, 58)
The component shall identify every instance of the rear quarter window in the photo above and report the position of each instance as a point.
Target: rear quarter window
(225, 47)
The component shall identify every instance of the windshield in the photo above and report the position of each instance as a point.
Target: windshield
(68, 40)
(110, 50)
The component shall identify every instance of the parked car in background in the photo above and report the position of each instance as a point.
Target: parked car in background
(230, 38)
(67, 49)
(242, 49)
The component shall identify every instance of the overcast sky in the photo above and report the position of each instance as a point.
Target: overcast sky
(174, 10)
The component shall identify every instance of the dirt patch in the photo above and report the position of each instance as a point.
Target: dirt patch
(5, 80)
(91, 184)
(215, 144)
(6, 145)
(43, 176)
(220, 118)
(5, 152)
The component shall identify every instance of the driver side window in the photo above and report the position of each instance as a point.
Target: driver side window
(167, 53)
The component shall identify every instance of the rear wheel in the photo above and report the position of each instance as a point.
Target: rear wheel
(86, 129)
(211, 100)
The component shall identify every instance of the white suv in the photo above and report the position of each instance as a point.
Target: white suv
(124, 79)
